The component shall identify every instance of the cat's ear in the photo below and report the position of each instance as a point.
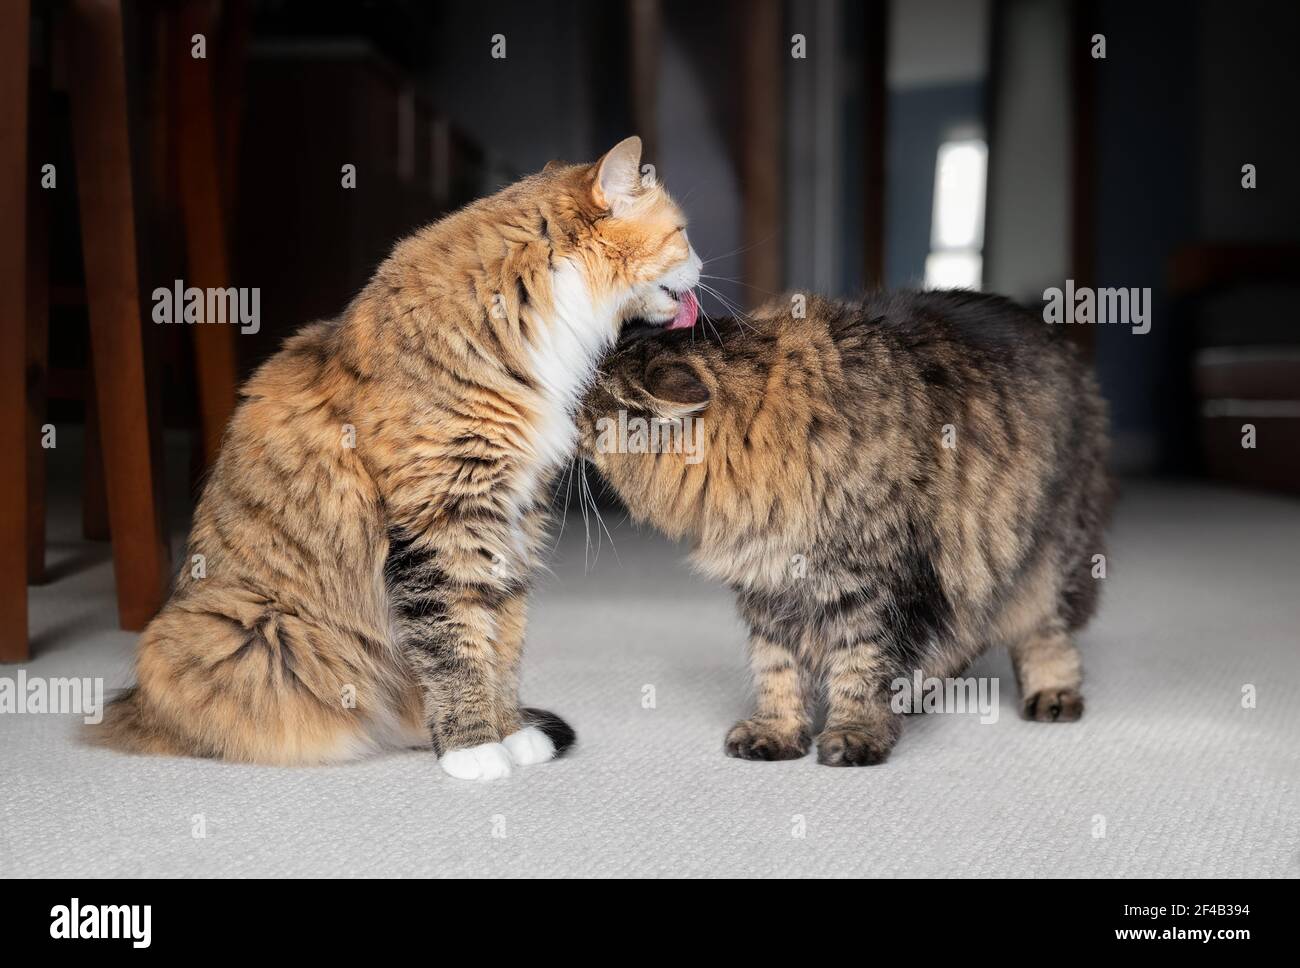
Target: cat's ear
(679, 387)
(618, 175)
(553, 164)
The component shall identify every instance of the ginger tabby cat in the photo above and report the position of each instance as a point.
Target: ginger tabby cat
(371, 525)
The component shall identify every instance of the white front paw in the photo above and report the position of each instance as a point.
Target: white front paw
(487, 761)
(529, 745)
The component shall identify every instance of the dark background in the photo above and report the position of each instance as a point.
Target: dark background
(1117, 172)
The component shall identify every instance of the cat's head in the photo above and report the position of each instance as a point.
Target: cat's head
(666, 376)
(702, 434)
(618, 232)
(645, 425)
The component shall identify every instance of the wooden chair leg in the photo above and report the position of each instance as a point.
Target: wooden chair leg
(14, 25)
(101, 136)
(94, 495)
(38, 316)
(207, 255)
(760, 149)
(37, 365)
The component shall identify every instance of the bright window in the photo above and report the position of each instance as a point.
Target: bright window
(957, 230)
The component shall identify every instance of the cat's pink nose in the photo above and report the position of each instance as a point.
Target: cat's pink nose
(688, 310)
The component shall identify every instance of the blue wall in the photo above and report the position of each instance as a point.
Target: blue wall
(920, 119)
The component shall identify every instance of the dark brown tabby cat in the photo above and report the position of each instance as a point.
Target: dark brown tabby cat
(889, 486)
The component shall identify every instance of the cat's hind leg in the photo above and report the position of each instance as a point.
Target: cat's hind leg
(1035, 625)
(1050, 674)
(226, 674)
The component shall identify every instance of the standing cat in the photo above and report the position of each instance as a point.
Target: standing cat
(888, 486)
(368, 532)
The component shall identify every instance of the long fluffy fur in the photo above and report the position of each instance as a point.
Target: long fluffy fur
(359, 561)
(861, 547)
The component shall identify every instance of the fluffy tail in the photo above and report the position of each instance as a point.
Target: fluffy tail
(128, 728)
(556, 729)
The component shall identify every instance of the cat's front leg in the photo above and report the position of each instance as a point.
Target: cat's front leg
(448, 624)
(861, 728)
(454, 669)
(780, 728)
(536, 740)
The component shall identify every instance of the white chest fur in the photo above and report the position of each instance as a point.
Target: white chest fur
(564, 355)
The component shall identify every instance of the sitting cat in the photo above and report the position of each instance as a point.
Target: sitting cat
(368, 532)
(889, 485)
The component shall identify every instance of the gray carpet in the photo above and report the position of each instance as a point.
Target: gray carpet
(1166, 775)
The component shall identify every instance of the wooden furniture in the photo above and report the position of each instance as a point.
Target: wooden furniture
(875, 57)
(1232, 303)
(14, 29)
(758, 153)
(205, 202)
(123, 494)
(315, 109)
(102, 134)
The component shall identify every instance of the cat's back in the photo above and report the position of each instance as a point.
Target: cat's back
(987, 423)
(956, 357)
(300, 369)
(930, 325)
(939, 396)
(289, 464)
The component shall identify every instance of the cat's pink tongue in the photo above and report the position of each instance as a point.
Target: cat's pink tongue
(687, 312)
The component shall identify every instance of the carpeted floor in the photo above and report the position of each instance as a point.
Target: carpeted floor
(1167, 774)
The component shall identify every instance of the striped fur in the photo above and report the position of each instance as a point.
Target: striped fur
(860, 547)
(369, 530)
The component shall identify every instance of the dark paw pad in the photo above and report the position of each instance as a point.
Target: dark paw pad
(851, 747)
(1053, 706)
(753, 740)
